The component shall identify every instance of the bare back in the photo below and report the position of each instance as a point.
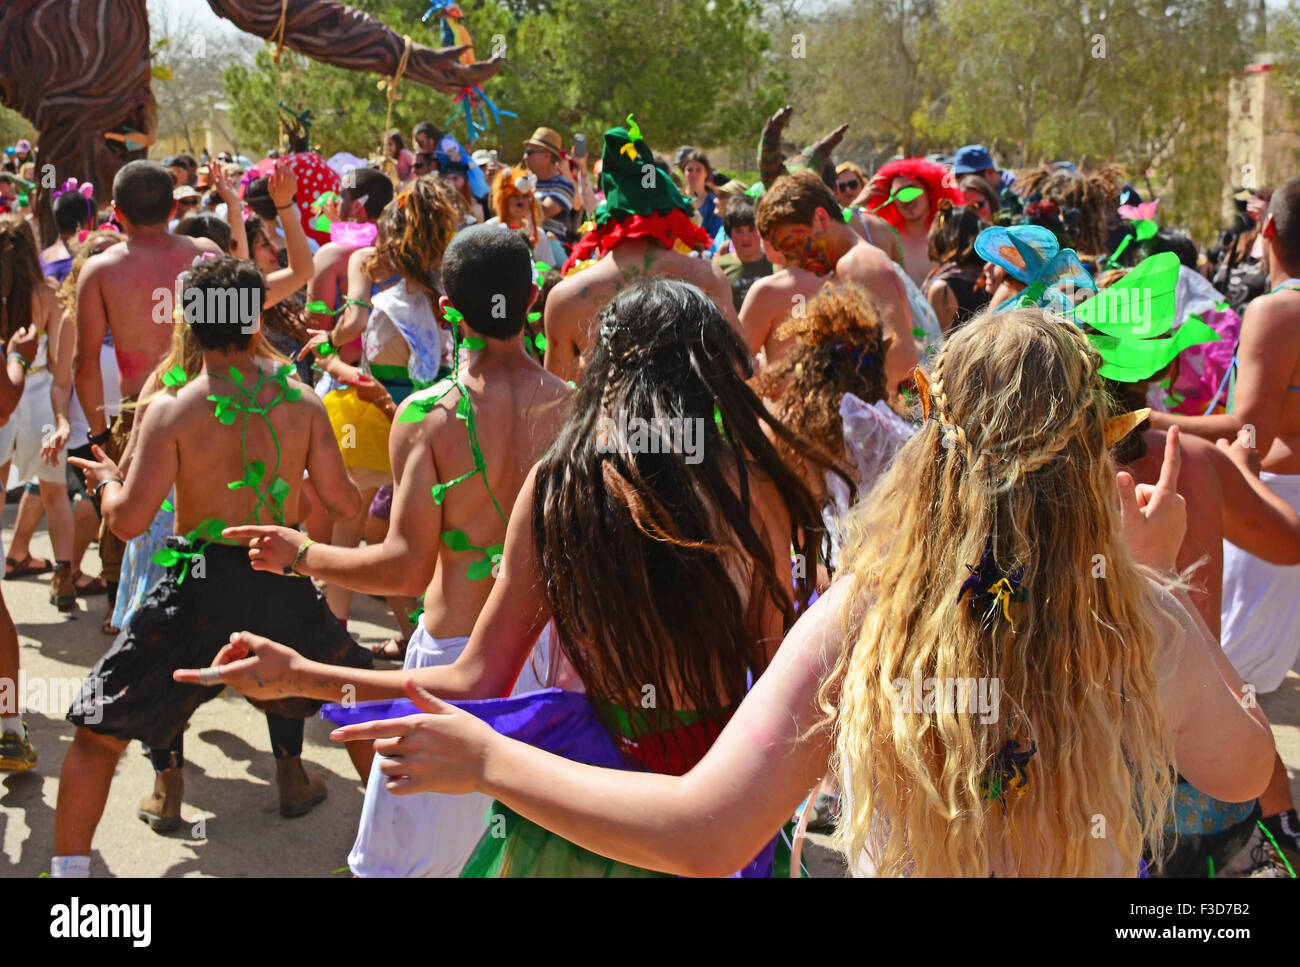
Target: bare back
(122, 290)
(1282, 312)
(573, 305)
(771, 301)
(519, 409)
(181, 440)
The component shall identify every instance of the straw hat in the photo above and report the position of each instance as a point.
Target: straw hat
(548, 139)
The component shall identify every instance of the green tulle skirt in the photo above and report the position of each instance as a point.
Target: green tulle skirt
(517, 847)
(514, 846)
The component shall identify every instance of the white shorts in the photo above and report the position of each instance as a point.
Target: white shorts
(31, 423)
(1261, 606)
(429, 834)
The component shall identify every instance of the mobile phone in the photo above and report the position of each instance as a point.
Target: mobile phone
(580, 146)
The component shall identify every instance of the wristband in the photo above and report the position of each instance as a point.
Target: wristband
(23, 360)
(99, 439)
(103, 483)
(302, 549)
(292, 202)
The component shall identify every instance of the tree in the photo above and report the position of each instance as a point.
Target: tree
(881, 55)
(1034, 80)
(14, 126)
(690, 70)
(187, 72)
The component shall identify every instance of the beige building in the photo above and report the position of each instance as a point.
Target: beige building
(1263, 129)
(213, 134)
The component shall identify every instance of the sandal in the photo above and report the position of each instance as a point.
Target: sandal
(92, 587)
(393, 649)
(19, 569)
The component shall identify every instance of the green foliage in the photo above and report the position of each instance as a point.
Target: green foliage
(14, 126)
(1139, 82)
(694, 71)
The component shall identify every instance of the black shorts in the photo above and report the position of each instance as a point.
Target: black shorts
(130, 694)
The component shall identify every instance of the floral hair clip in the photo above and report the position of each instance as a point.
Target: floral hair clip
(990, 589)
(1008, 772)
(199, 259)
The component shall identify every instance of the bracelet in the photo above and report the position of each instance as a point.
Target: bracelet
(23, 360)
(292, 202)
(99, 439)
(103, 483)
(302, 549)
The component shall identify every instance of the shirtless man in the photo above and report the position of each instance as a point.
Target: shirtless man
(364, 194)
(640, 197)
(1261, 602)
(800, 218)
(119, 291)
(518, 410)
(209, 591)
(573, 305)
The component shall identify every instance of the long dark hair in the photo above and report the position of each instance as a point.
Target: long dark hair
(20, 274)
(641, 551)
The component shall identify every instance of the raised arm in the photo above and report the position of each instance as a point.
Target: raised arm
(234, 210)
(285, 282)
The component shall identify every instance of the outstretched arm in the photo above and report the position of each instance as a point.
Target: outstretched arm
(710, 822)
(402, 564)
(503, 636)
(1254, 518)
(1266, 358)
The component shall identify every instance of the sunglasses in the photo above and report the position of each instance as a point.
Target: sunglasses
(188, 201)
(853, 185)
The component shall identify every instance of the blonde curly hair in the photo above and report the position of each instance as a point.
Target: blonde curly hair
(1012, 458)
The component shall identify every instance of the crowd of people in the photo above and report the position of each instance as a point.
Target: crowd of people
(948, 507)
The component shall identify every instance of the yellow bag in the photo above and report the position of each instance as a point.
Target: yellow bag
(360, 428)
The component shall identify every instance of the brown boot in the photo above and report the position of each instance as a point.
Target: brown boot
(161, 809)
(63, 588)
(298, 792)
